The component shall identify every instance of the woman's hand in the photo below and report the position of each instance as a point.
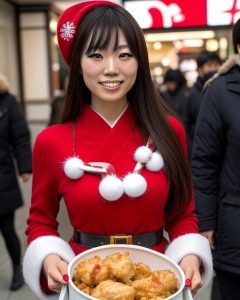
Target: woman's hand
(54, 269)
(190, 265)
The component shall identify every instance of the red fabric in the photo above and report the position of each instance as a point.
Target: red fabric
(69, 21)
(88, 212)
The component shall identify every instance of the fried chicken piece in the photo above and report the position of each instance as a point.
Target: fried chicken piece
(83, 287)
(141, 271)
(111, 290)
(91, 271)
(153, 298)
(160, 284)
(120, 267)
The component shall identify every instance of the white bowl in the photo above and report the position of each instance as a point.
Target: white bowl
(155, 260)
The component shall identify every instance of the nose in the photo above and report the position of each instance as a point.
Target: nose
(111, 66)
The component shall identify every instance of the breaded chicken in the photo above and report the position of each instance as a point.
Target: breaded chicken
(91, 271)
(160, 284)
(111, 290)
(120, 267)
(141, 271)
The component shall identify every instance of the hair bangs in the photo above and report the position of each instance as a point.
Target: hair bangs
(104, 34)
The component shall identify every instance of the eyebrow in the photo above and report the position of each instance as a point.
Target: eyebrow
(122, 46)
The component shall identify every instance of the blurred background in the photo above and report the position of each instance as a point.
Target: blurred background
(175, 31)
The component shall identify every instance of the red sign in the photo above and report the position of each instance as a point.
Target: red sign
(183, 13)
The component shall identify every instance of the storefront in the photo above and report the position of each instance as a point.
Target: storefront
(176, 31)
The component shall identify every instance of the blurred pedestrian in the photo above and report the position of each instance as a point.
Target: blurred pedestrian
(216, 170)
(208, 64)
(14, 147)
(176, 93)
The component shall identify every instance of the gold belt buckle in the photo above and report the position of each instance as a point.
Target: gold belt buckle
(114, 239)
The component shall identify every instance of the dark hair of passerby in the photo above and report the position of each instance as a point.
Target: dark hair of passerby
(206, 56)
(106, 23)
(175, 75)
(236, 35)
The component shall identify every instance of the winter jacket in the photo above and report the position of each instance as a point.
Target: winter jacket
(216, 164)
(14, 147)
(178, 101)
(194, 102)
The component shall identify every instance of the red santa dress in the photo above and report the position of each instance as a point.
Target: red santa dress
(95, 140)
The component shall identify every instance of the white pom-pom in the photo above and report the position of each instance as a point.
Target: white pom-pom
(111, 188)
(155, 163)
(142, 154)
(72, 168)
(134, 184)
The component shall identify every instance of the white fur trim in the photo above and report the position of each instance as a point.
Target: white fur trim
(193, 243)
(34, 256)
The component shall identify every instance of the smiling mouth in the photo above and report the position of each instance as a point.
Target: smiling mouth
(111, 84)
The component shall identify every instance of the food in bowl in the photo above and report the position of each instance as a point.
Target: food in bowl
(117, 277)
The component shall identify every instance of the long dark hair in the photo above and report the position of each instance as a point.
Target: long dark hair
(96, 30)
(236, 35)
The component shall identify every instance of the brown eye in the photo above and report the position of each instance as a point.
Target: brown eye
(95, 56)
(125, 56)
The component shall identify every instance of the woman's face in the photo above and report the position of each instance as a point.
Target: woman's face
(109, 74)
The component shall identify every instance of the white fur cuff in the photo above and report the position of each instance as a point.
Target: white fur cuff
(193, 244)
(34, 256)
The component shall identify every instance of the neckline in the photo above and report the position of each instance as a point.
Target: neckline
(111, 124)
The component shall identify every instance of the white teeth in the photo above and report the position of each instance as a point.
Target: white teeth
(111, 84)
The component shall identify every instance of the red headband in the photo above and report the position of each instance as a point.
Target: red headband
(69, 21)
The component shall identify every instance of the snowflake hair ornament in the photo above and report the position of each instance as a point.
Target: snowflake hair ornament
(67, 31)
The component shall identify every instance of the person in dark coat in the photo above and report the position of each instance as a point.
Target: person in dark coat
(176, 94)
(14, 146)
(208, 64)
(216, 170)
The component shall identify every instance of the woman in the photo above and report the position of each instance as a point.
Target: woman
(113, 116)
(14, 146)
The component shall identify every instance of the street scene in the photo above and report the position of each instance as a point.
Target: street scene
(119, 124)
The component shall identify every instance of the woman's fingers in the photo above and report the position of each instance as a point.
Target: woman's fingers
(196, 282)
(62, 267)
(190, 265)
(55, 269)
(55, 281)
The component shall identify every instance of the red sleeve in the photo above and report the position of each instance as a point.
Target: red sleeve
(185, 221)
(45, 198)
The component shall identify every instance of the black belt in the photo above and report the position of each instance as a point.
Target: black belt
(146, 240)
